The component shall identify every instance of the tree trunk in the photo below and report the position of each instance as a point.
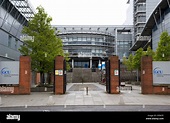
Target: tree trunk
(42, 77)
(49, 78)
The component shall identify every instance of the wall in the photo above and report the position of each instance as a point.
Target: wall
(147, 86)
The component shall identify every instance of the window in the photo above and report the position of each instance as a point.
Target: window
(9, 40)
(16, 44)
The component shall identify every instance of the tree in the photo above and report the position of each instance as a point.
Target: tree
(163, 49)
(129, 62)
(45, 46)
(137, 58)
(137, 61)
(149, 52)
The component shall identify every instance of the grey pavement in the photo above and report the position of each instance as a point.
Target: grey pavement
(77, 94)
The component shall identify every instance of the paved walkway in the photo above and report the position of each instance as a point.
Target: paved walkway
(77, 95)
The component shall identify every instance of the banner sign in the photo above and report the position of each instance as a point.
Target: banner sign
(103, 65)
(59, 72)
(161, 72)
(9, 72)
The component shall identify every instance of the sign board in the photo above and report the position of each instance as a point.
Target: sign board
(103, 65)
(99, 66)
(9, 72)
(59, 72)
(116, 72)
(161, 72)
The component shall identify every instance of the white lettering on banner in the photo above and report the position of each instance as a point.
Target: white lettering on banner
(13, 117)
(84, 54)
(7, 89)
(143, 38)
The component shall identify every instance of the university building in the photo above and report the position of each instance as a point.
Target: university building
(89, 45)
(14, 14)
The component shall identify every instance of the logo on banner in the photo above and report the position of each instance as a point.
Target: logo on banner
(5, 71)
(157, 71)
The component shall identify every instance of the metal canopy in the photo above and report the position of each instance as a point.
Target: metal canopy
(139, 44)
(24, 7)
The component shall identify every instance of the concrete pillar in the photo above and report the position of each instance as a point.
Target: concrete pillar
(99, 61)
(72, 63)
(90, 62)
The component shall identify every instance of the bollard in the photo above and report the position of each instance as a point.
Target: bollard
(143, 106)
(45, 89)
(86, 90)
(121, 100)
(50, 100)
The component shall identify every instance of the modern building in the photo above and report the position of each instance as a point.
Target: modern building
(89, 45)
(139, 19)
(142, 12)
(14, 14)
(157, 22)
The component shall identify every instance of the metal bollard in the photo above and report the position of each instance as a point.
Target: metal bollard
(86, 90)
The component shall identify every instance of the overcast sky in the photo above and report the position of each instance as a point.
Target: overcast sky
(84, 12)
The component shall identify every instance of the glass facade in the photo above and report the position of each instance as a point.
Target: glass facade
(163, 24)
(12, 20)
(139, 16)
(88, 46)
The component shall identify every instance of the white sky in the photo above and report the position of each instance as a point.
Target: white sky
(84, 12)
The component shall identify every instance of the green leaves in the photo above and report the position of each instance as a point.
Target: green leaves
(163, 49)
(134, 61)
(129, 62)
(162, 53)
(46, 45)
(137, 58)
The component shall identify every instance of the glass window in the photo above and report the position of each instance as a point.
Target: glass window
(70, 39)
(84, 39)
(16, 44)
(88, 39)
(9, 40)
(75, 39)
(79, 38)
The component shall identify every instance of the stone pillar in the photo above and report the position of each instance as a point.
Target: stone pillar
(114, 74)
(146, 75)
(25, 75)
(99, 61)
(72, 63)
(90, 62)
(59, 72)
